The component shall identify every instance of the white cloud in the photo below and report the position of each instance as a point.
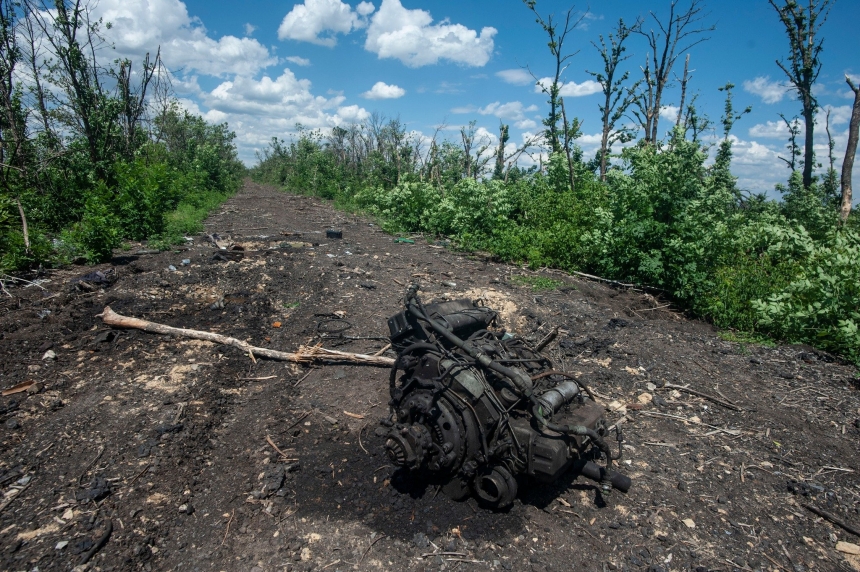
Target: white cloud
(258, 110)
(838, 115)
(768, 91)
(411, 37)
(512, 111)
(365, 9)
(382, 90)
(140, 26)
(571, 88)
(516, 76)
(525, 124)
(769, 130)
(249, 28)
(307, 21)
(298, 60)
(669, 112)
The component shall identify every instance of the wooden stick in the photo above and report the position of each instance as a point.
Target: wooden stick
(716, 400)
(832, 518)
(304, 355)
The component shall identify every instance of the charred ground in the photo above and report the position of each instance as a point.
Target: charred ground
(166, 438)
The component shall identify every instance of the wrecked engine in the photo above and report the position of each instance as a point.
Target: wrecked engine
(482, 412)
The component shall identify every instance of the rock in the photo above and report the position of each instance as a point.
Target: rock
(650, 386)
(330, 419)
(12, 424)
(186, 261)
(645, 398)
(49, 355)
(660, 402)
(722, 499)
(689, 523)
(848, 548)
(420, 540)
(682, 486)
(186, 508)
(61, 544)
(98, 489)
(171, 268)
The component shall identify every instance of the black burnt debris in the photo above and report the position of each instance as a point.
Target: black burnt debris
(478, 410)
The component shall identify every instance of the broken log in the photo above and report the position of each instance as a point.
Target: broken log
(303, 355)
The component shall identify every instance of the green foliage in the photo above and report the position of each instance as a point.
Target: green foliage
(538, 283)
(819, 305)
(663, 218)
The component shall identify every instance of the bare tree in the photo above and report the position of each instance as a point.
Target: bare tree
(850, 152)
(680, 32)
(685, 79)
(830, 179)
(804, 63)
(557, 35)
(616, 99)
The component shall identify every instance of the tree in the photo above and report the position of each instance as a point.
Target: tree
(504, 137)
(616, 99)
(793, 126)
(804, 63)
(557, 36)
(850, 152)
(677, 35)
(721, 167)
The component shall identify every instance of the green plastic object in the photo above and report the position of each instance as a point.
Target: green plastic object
(404, 240)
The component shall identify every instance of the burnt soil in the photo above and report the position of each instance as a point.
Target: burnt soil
(165, 439)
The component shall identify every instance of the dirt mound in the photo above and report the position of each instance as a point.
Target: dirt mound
(172, 441)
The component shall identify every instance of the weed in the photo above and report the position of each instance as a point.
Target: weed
(538, 283)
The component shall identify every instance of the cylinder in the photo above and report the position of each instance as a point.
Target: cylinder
(559, 396)
(595, 473)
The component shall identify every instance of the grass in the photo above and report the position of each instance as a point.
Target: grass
(187, 219)
(538, 283)
(744, 339)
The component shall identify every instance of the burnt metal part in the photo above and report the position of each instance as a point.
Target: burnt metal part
(479, 412)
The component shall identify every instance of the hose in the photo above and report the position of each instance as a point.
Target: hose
(522, 382)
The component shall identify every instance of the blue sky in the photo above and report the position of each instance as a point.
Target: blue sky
(265, 66)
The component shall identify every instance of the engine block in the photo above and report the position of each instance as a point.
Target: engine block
(479, 411)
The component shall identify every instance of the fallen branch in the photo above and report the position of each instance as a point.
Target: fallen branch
(99, 543)
(304, 355)
(716, 400)
(832, 518)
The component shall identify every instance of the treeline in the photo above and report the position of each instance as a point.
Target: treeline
(94, 153)
(785, 269)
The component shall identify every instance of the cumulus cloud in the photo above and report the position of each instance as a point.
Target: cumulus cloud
(669, 112)
(307, 22)
(298, 60)
(768, 91)
(769, 130)
(838, 115)
(512, 111)
(516, 76)
(411, 37)
(249, 28)
(571, 88)
(141, 26)
(259, 109)
(382, 90)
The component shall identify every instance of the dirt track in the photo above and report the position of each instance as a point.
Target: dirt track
(166, 438)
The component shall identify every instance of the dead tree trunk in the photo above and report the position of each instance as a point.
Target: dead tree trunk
(850, 151)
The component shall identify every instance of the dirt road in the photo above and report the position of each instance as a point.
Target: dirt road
(165, 439)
